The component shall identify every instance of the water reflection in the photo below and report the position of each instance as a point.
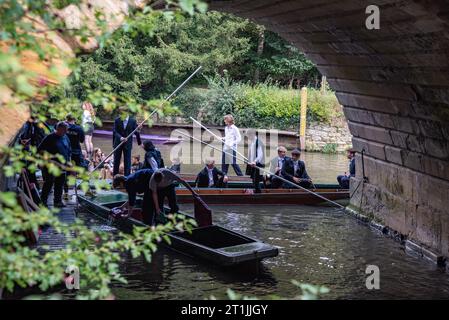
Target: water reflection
(317, 245)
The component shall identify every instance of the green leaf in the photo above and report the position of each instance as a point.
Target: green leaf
(8, 198)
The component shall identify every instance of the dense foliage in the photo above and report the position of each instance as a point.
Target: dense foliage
(151, 53)
(23, 25)
(260, 106)
(145, 65)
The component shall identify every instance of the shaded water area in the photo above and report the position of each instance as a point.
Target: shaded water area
(318, 245)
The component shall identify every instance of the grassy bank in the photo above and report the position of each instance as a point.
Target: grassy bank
(260, 106)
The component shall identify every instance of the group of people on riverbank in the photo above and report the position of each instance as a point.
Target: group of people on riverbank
(63, 139)
(66, 139)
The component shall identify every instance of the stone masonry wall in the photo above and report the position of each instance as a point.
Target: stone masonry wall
(318, 136)
(394, 85)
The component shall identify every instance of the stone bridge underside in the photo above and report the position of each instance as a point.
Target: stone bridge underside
(394, 86)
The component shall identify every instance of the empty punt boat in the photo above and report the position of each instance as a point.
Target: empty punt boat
(213, 243)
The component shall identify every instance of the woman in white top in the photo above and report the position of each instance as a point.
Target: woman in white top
(87, 122)
(231, 141)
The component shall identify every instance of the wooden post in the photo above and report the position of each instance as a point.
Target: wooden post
(302, 121)
(323, 84)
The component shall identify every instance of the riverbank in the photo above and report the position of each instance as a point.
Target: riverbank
(320, 137)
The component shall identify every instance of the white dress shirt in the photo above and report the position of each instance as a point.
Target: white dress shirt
(125, 122)
(260, 158)
(232, 137)
(86, 118)
(153, 164)
(276, 162)
(211, 176)
(281, 162)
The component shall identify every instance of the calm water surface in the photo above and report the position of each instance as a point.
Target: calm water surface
(323, 168)
(318, 245)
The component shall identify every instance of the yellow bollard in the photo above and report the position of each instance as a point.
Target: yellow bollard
(303, 117)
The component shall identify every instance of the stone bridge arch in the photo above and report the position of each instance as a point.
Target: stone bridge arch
(394, 86)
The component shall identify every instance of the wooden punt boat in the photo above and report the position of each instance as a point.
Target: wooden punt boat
(233, 196)
(192, 177)
(212, 243)
(244, 182)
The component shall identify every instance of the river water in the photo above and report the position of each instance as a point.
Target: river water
(323, 168)
(318, 245)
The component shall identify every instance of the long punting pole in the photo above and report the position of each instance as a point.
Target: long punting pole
(267, 172)
(219, 138)
(147, 118)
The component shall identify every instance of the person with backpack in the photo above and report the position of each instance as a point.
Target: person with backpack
(153, 158)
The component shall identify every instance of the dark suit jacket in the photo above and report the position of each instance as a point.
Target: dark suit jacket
(33, 132)
(202, 179)
(288, 170)
(352, 167)
(119, 132)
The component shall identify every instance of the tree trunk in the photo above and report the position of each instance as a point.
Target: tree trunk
(323, 84)
(260, 47)
(290, 83)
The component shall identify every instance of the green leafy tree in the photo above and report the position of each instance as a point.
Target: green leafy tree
(23, 27)
(146, 62)
(145, 65)
(284, 63)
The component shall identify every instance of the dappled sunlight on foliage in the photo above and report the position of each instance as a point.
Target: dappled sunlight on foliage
(24, 26)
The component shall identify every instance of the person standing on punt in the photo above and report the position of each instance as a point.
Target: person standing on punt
(256, 158)
(138, 182)
(122, 129)
(343, 180)
(231, 141)
(87, 123)
(294, 170)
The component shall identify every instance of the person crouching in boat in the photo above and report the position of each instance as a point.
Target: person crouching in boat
(294, 170)
(162, 185)
(211, 176)
(256, 158)
(135, 183)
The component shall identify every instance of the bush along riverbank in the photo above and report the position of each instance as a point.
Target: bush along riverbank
(269, 107)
